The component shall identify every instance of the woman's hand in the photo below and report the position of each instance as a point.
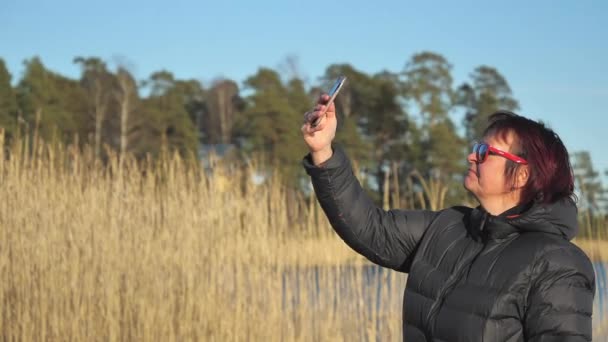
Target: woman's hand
(319, 138)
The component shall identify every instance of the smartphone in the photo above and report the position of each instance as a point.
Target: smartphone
(333, 92)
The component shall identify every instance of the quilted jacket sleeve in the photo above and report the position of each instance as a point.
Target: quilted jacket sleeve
(560, 302)
(387, 238)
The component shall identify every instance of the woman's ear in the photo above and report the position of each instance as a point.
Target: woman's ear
(522, 176)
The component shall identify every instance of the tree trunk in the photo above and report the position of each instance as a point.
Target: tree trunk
(125, 95)
(100, 111)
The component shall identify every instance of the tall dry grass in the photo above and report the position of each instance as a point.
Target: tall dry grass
(169, 251)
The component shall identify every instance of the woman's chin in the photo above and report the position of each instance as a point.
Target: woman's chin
(467, 182)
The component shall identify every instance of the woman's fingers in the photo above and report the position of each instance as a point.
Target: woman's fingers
(308, 128)
(313, 115)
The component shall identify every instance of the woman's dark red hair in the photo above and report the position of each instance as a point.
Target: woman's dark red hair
(550, 174)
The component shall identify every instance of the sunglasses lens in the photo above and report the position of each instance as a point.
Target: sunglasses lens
(482, 152)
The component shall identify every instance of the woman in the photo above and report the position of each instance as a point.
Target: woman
(504, 271)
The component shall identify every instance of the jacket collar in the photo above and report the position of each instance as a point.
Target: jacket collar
(559, 218)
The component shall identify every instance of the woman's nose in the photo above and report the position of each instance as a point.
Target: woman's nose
(472, 157)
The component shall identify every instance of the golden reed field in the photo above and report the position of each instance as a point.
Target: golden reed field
(166, 251)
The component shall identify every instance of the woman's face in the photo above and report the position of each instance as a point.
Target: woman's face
(487, 180)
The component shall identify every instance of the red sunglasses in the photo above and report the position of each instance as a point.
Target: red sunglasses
(482, 150)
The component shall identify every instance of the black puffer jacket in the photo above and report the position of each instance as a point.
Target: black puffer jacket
(472, 276)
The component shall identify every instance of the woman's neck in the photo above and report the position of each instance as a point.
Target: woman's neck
(498, 206)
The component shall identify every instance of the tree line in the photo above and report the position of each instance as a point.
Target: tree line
(392, 122)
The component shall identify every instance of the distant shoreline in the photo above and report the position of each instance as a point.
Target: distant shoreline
(329, 250)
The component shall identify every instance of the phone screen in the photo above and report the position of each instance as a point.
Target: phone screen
(333, 92)
(337, 85)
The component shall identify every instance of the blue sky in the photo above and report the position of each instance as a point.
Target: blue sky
(553, 53)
